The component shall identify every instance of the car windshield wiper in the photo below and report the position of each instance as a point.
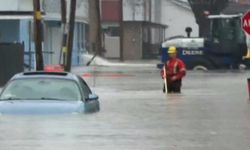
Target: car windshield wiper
(51, 98)
(12, 98)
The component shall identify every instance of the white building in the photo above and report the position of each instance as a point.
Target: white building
(16, 25)
(178, 15)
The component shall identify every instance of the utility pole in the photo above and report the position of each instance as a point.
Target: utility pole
(38, 34)
(121, 30)
(63, 53)
(71, 35)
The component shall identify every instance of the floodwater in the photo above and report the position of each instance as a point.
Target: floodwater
(213, 112)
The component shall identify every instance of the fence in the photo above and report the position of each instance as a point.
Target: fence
(11, 60)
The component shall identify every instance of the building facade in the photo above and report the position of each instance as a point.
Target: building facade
(142, 30)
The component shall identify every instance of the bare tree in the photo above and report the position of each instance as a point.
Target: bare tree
(202, 8)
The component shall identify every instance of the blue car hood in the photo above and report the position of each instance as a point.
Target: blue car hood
(40, 107)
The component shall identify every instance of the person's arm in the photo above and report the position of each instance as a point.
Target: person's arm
(162, 71)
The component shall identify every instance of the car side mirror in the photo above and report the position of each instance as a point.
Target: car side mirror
(92, 97)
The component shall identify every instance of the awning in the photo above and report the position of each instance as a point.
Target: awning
(30, 17)
(16, 17)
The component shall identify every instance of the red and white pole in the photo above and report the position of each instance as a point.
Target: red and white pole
(165, 79)
(248, 84)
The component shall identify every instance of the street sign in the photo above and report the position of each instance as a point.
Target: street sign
(245, 22)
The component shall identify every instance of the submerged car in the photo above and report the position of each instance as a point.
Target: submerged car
(47, 93)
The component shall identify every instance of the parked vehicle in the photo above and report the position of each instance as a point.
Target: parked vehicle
(226, 47)
(47, 93)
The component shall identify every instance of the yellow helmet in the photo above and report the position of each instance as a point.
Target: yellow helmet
(172, 50)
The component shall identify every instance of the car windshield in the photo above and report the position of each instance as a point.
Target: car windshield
(41, 89)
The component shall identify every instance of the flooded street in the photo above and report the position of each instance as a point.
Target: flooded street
(116, 47)
(213, 112)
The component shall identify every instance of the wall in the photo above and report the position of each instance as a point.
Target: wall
(53, 10)
(16, 5)
(26, 5)
(9, 31)
(9, 5)
(156, 11)
(110, 10)
(177, 18)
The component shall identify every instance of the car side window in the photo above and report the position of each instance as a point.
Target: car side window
(85, 87)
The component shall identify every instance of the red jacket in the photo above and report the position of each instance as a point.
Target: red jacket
(175, 68)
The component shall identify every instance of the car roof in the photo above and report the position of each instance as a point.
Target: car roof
(41, 74)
